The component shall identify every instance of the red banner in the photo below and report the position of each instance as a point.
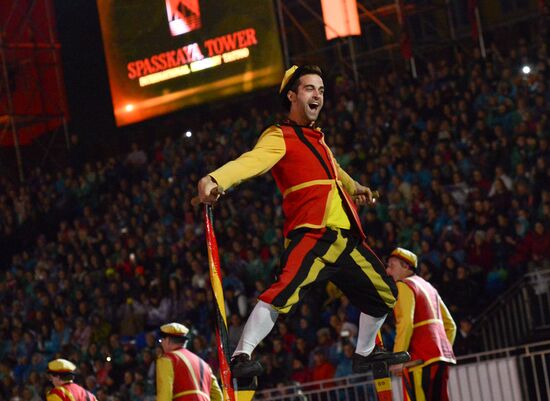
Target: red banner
(341, 18)
(472, 6)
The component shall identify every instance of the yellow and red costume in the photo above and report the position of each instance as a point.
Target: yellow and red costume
(324, 238)
(70, 392)
(65, 370)
(183, 376)
(427, 331)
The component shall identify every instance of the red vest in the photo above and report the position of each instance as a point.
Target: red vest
(192, 376)
(305, 176)
(429, 341)
(78, 393)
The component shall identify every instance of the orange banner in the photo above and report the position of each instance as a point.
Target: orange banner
(341, 18)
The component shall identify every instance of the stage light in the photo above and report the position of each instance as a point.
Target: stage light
(188, 134)
(341, 18)
(108, 359)
(129, 107)
(526, 69)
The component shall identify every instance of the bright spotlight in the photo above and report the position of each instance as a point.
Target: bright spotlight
(526, 69)
(188, 134)
(129, 107)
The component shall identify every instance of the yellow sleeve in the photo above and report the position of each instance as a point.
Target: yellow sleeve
(165, 379)
(404, 317)
(347, 181)
(267, 152)
(448, 322)
(53, 397)
(215, 390)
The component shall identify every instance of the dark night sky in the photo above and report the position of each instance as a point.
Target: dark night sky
(84, 68)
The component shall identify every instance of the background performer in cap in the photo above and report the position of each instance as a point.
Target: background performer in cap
(425, 328)
(324, 237)
(182, 375)
(62, 373)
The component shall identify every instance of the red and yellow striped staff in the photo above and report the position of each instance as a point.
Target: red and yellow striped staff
(230, 390)
(221, 320)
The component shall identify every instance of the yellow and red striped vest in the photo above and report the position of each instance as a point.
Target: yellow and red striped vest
(429, 341)
(192, 376)
(305, 176)
(72, 392)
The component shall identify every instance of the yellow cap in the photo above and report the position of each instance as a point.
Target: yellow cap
(406, 256)
(288, 74)
(174, 329)
(61, 366)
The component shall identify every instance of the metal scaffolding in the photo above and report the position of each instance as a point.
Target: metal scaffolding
(388, 27)
(382, 31)
(32, 95)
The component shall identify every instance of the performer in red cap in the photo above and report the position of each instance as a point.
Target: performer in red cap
(425, 328)
(182, 375)
(61, 373)
(324, 237)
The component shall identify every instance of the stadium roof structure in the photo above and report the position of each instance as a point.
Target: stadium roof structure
(32, 94)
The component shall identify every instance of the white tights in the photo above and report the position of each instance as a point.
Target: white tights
(257, 327)
(368, 328)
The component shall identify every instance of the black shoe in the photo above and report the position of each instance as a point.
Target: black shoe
(242, 366)
(362, 364)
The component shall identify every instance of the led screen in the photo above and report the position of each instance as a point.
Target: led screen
(164, 55)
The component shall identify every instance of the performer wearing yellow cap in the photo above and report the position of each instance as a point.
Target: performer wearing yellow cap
(182, 375)
(62, 373)
(324, 237)
(425, 329)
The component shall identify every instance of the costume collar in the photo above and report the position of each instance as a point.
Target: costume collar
(288, 121)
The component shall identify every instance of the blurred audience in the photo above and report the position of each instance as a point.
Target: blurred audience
(104, 252)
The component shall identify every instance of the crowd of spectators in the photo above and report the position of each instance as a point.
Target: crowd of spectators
(114, 248)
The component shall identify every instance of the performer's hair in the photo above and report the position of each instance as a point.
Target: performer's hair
(182, 340)
(178, 340)
(64, 376)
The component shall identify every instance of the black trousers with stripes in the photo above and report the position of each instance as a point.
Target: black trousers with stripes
(331, 254)
(427, 383)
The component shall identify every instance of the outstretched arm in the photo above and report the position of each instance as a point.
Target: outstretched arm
(208, 190)
(361, 194)
(267, 152)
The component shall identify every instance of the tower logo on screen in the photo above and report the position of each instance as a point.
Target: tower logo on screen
(183, 16)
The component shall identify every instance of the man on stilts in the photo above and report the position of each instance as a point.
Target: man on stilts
(324, 237)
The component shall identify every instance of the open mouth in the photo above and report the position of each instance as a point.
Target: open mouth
(313, 106)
